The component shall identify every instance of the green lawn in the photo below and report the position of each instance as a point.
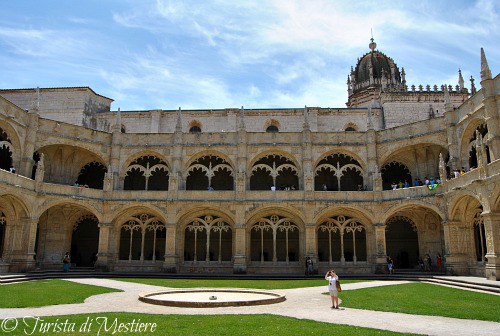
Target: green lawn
(46, 292)
(237, 283)
(189, 325)
(425, 299)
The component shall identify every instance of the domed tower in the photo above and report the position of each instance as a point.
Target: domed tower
(374, 73)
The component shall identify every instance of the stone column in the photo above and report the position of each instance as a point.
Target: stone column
(310, 245)
(170, 265)
(240, 248)
(381, 248)
(457, 238)
(104, 255)
(22, 239)
(491, 222)
(29, 145)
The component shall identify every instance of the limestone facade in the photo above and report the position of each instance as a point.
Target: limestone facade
(255, 191)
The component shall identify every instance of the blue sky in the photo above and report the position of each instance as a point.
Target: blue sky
(217, 54)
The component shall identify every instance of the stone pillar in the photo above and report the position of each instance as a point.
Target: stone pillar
(372, 178)
(491, 222)
(310, 245)
(170, 265)
(23, 244)
(457, 238)
(104, 255)
(29, 146)
(380, 248)
(240, 248)
(492, 117)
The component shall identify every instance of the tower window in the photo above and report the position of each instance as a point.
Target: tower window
(195, 129)
(272, 128)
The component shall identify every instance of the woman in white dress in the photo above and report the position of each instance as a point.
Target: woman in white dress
(332, 288)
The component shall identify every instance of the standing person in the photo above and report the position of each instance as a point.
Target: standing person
(439, 261)
(332, 288)
(66, 262)
(309, 266)
(390, 264)
(427, 262)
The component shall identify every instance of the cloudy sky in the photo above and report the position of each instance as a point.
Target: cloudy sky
(215, 54)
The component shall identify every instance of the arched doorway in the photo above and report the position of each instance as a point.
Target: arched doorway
(402, 241)
(85, 241)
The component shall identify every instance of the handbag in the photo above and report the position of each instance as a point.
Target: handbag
(337, 284)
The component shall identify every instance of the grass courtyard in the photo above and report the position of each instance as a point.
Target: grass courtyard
(412, 298)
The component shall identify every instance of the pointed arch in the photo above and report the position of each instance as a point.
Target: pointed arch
(210, 172)
(147, 173)
(338, 172)
(272, 169)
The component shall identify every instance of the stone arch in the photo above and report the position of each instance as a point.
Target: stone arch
(481, 131)
(338, 172)
(146, 172)
(87, 206)
(55, 142)
(412, 231)
(92, 175)
(148, 242)
(208, 236)
(153, 228)
(422, 159)
(466, 139)
(209, 172)
(134, 156)
(63, 163)
(6, 130)
(342, 238)
(12, 212)
(459, 203)
(56, 227)
(274, 169)
(395, 173)
(7, 151)
(274, 236)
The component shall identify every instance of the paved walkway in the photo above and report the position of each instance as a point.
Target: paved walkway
(303, 303)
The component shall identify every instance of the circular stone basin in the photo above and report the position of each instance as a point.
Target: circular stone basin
(208, 298)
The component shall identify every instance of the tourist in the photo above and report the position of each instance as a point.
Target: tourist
(332, 288)
(324, 187)
(12, 170)
(427, 181)
(390, 265)
(273, 188)
(309, 266)
(421, 264)
(66, 261)
(427, 262)
(406, 185)
(394, 186)
(439, 261)
(415, 183)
